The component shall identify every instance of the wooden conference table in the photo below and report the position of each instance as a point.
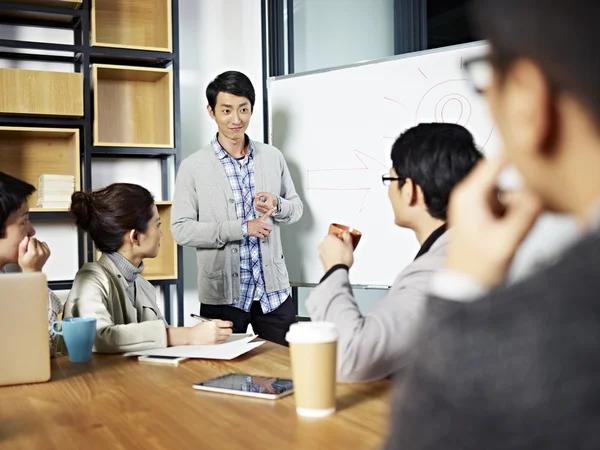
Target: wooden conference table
(118, 403)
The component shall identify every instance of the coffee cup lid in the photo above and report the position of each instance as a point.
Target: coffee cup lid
(312, 333)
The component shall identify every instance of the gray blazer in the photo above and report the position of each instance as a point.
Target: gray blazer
(99, 291)
(204, 217)
(517, 369)
(376, 345)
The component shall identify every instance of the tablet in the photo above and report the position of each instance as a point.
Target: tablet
(248, 386)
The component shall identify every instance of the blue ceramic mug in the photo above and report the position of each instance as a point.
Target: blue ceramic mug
(79, 334)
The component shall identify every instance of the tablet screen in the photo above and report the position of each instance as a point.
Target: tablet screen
(249, 383)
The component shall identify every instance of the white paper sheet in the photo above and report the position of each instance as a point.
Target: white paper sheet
(226, 351)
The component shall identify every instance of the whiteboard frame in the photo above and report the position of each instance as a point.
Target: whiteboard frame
(432, 51)
(376, 287)
(349, 66)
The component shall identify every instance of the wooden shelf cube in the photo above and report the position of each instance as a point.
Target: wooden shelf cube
(26, 153)
(134, 24)
(133, 106)
(41, 93)
(164, 266)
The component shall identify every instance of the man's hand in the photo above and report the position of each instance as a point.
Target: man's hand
(334, 251)
(264, 202)
(212, 332)
(259, 227)
(485, 232)
(33, 254)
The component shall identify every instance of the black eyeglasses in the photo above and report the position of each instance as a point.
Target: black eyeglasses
(387, 180)
(480, 72)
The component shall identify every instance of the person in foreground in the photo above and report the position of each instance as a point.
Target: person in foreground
(520, 367)
(428, 161)
(124, 224)
(230, 201)
(17, 242)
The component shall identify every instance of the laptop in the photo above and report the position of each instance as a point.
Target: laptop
(24, 345)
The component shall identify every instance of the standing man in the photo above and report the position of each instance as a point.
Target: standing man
(230, 199)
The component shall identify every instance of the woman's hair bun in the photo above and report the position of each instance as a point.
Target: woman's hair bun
(82, 208)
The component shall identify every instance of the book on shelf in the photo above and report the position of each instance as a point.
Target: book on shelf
(45, 194)
(54, 205)
(55, 191)
(57, 185)
(55, 198)
(54, 178)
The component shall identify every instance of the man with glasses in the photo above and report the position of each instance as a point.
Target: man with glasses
(428, 161)
(520, 367)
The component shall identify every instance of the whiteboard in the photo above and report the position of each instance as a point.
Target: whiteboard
(336, 128)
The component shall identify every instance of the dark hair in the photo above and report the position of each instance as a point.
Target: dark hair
(436, 156)
(110, 213)
(232, 82)
(560, 35)
(13, 193)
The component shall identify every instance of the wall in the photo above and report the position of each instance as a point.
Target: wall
(214, 36)
(331, 33)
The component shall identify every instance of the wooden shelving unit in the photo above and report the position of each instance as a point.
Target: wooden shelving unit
(133, 24)
(121, 100)
(27, 153)
(41, 93)
(133, 106)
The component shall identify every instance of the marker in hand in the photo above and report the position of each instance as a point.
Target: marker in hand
(264, 201)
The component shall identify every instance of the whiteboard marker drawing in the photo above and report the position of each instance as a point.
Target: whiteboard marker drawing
(448, 102)
(363, 178)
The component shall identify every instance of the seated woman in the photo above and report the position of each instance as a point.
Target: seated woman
(123, 222)
(17, 244)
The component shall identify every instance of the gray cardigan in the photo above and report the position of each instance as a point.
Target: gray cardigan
(204, 217)
(377, 345)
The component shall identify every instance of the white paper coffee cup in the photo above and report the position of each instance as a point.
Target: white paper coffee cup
(313, 351)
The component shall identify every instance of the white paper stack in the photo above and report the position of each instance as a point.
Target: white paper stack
(227, 351)
(55, 191)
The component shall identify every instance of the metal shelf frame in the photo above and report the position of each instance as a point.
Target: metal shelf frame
(82, 54)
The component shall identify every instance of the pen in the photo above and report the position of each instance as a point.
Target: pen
(203, 319)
